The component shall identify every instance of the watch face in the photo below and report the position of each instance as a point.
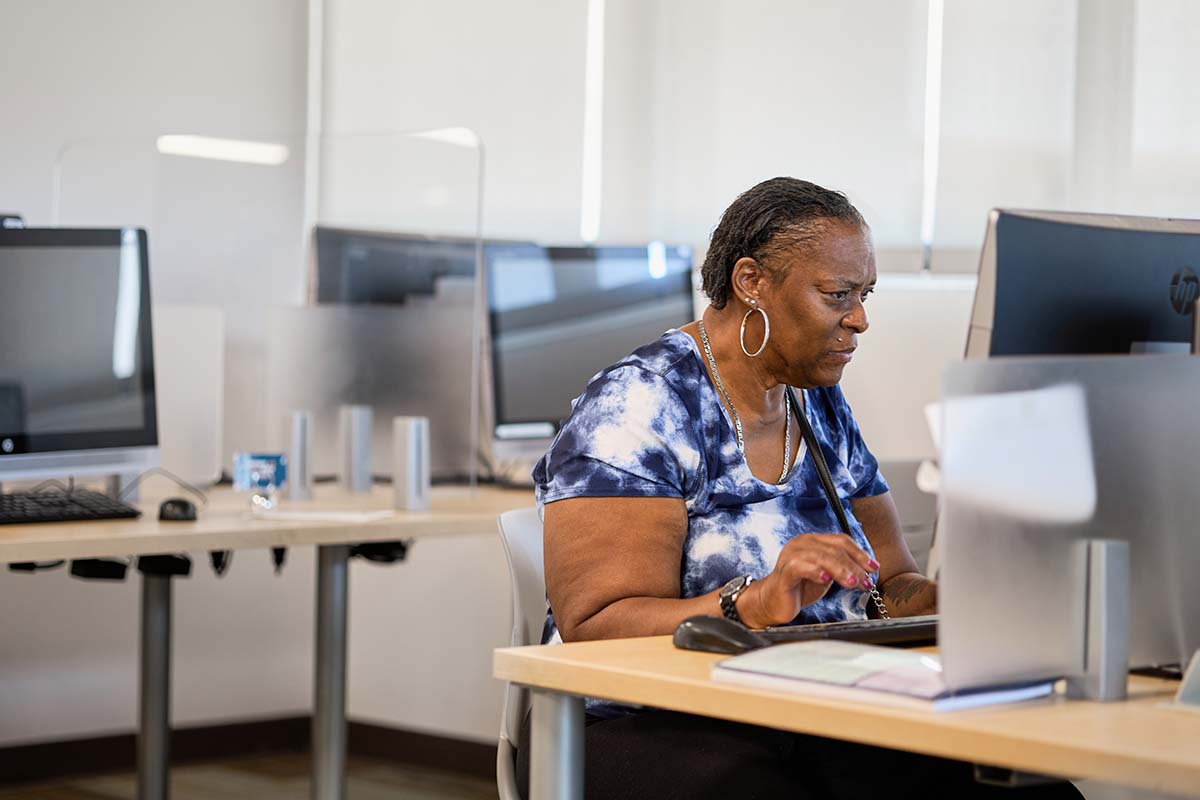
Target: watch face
(735, 585)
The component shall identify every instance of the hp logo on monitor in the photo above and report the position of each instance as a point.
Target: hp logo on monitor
(1185, 288)
(7, 445)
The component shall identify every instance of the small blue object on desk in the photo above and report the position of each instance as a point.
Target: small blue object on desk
(259, 472)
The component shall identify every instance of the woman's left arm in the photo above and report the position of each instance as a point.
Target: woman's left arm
(906, 592)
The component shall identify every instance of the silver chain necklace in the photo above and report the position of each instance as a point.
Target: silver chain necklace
(737, 422)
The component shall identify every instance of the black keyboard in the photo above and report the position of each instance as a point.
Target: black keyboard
(897, 632)
(78, 504)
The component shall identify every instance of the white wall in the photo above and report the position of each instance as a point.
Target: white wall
(242, 648)
(422, 636)
(888, 385)
(828, 92)
(1008, 90)
(512, 72)
(1165, 137)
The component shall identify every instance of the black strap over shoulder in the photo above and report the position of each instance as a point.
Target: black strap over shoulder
(818, 458)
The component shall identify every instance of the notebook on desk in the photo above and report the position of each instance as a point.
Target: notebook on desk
(866, 673)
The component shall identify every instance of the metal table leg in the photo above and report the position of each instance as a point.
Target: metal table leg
(154, 702)
(329, 684)
(556, 760)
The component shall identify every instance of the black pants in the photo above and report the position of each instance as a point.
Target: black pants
(663, 755)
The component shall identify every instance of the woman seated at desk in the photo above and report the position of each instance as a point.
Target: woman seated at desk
(680, 486)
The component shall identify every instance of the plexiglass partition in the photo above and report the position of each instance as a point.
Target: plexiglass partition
(346, 266)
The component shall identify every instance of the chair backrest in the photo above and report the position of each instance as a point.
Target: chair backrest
(521, 533)
(521, 536)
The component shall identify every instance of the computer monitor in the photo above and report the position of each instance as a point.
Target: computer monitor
(359, 267)
(77, 366)
(559, 315)
(1068, 283)
(1060, 283)
(1012, 591)
(1057, 284)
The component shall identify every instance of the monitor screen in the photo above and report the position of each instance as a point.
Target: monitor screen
(76, 371)
(1080, 284)
(559, 315)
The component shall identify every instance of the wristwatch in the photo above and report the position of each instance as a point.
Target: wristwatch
(730, 592)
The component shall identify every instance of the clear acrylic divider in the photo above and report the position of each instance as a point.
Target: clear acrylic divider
(348, 269)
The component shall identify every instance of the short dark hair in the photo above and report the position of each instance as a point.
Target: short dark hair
(776, 215)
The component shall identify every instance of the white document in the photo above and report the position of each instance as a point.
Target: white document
(929, 475)
(324, 516)
(933, 419)
(1027, 455)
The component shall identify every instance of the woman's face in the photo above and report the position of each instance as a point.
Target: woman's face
(817, 302)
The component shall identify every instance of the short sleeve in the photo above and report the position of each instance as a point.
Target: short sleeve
(629, 435)
(862, 468)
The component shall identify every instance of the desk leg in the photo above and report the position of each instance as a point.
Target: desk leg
(154, 702)
(556, 760)
(329, 702)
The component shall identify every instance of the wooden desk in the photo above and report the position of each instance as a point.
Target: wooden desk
(226, 523)
(1136, 742)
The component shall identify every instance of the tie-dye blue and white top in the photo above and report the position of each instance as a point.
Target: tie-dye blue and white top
(652, 425)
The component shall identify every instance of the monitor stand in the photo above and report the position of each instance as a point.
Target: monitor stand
(1106, 623)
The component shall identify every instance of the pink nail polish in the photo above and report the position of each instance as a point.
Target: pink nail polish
(825, 577)
(868, 583)
(873, 564)
(852, 581)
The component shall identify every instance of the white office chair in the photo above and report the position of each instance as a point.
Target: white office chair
(521, 534)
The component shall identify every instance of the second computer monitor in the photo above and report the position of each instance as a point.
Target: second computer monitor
(559, 315)
(1061, 283)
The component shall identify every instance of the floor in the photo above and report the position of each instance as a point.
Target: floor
(269, 777)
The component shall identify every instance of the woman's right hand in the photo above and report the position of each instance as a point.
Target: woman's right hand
(807, 566)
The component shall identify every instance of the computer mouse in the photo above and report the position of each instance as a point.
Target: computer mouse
(716, 635)
(177, 509)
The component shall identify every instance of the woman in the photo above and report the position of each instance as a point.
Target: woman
(680, 485)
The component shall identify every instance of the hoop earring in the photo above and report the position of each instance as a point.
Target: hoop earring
(766, 333)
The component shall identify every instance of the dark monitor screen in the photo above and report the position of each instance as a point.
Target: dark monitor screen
(1062, 286)
(381, 268)
(76, 371)
(559, 315)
